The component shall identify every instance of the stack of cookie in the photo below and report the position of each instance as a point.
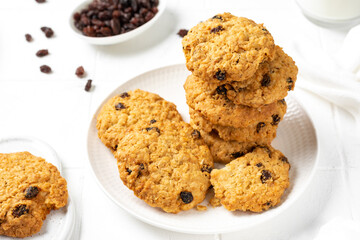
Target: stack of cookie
(238, 84)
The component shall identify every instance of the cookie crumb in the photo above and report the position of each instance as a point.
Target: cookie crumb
(215, 202)
(201, 208)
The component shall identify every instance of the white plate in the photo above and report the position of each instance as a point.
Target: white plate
(59, 224)
(117, 38)
(296, 138)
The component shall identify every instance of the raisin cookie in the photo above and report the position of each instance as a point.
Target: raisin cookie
(262, 131)
(218, 109)
(166, 164)
(29, 189)
(128, 108)
(227, 48)
(226, 151)
(254, 182)
(273, 85)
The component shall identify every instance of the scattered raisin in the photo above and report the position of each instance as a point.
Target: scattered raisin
(88, 86)
(217, 29)
(186, 197)
(265, 82)
(151, 128)
(28, 37)
(259, 126)
(20, 210)
(152, 121)
(221, 90)
(31, 192)
(40, 1)
(276, 119)
(124, 95)
(206, 168)
(265, 175)
(220, 75)
(259, 164)
(80, 71)
(196, 134)
(291, 83)
(182, 32)
(45, 69)
(48, 31)
(217, 17)
(119, 106)
(237, 154)
(42, 52)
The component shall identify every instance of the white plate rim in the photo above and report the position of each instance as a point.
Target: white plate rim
(285, 205)
(69, 225)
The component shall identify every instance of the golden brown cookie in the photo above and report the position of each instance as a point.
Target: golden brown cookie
(227, 48)
(271, 87)
(260, 132)
(254, 182)
(128, 108)
(166, 164)
(29, 189)
(226, 151)
(218, 109)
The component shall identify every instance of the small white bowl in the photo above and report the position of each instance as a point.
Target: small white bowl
(117, 38)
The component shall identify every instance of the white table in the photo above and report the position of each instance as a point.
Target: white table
(56, 109)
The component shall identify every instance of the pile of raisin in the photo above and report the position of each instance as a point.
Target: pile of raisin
(104, 18)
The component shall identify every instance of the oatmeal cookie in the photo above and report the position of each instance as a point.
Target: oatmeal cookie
(227, 48)
(166, 164)
(271, 87)
(218, 109)
(254, 182)
(262, 131)
(128, 108)
(29, 189)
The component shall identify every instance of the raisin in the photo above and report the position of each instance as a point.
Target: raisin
(77, 16)
(31, 192)
(217, 29)
(182, 32)
(151, 128)
(217, 17)
(141, 166)
(284, 159)
(42, 52)
(186, 197)
(221, 90)
(196, 134)
(268, 203)
(220, 75)
(88, 86)
(265, 82)
(119, 106)
(152, 121)
(48, 31)
(20, 210)
(45, 69)
(237, 154)
(115, 26)
(267, 150)
(129, 171)
(265, 30)
(124, 95)
(282, 101)
(276, 119)
(259, 164)
(265, 175)
(28, 37)
(291, 83)
(206, 168)
(259, 126)
(149, 16)
(115, 148)
(80, 71)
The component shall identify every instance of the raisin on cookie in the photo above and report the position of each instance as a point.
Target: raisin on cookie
(254, 182)
(29, 189)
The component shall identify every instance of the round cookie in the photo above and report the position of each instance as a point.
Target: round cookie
(227, 48)
(262, 131)
(128, 108)
(226, 151)
(29, 189)
(218, 109)
(271, 87)
(254, 182)
(166, 164)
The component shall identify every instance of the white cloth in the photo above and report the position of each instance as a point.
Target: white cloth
(339, 228)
